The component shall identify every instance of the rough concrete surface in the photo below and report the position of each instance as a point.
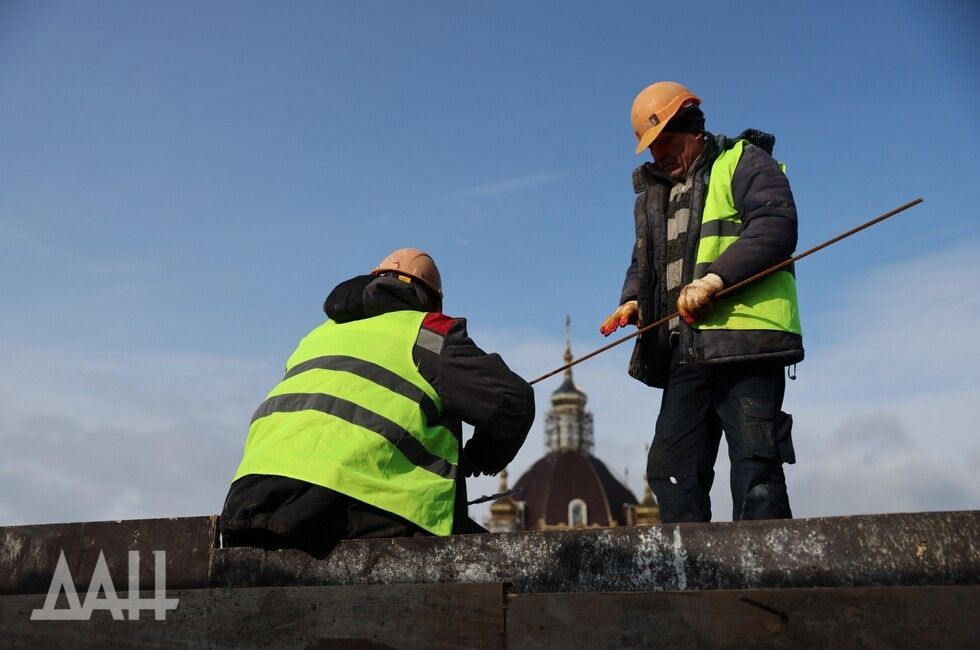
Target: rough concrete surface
(29, 554)
(936, 548)
(868, 581)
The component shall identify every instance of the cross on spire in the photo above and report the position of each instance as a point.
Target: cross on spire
(568, 344)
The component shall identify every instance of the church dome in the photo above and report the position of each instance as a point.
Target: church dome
(568, 393)
(568, 426)
(568, 487)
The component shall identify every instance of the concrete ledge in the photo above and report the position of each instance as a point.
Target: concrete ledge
(906, 580)
(937, 548)
(29, 554)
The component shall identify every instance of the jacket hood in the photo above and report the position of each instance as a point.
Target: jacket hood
(365, 296)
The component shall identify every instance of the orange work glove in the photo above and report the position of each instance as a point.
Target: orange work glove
(696, 297)
(627, 313)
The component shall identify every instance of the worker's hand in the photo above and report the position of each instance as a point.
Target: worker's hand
(627, 313)
(696, 297)
(466, 468)
(470, 465)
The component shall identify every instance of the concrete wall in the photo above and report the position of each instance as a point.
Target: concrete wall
(29, 554)
(936, 548)
(906, 580)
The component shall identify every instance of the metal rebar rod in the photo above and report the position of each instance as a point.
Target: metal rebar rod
(513, 492)
(735, 287)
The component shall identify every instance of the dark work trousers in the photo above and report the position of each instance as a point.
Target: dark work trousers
(274, 512)
(743, 399)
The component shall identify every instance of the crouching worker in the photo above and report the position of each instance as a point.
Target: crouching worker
(363, 436)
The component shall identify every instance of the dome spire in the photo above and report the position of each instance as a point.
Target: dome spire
(568, 391)
(568, 345)
(568, 426)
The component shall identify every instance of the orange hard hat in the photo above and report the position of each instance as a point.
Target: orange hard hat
(654, 107)
(413, 263)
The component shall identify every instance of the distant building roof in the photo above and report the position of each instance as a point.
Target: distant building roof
(568, 487)
(553, 483)
(568, 391)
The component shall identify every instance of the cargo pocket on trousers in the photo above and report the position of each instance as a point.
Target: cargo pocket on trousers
(757, 439)
(784, 437)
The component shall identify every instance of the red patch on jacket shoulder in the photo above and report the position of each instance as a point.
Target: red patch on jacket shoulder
(438, 323)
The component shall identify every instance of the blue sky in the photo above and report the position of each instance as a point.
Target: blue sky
(184, 182)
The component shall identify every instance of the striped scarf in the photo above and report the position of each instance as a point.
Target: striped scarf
(678, 215)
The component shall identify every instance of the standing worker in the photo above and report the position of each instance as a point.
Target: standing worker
(710, 212)
(363, 436)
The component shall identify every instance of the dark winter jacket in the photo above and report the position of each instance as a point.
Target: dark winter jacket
(475, 387)
(768, 236)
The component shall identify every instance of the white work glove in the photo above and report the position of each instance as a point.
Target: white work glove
(696, 297)
(627, 313)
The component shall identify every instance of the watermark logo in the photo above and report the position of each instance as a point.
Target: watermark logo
(133, 604)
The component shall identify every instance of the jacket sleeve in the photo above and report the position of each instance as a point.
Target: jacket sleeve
(769, 228)
(481, 390)
(630, 289)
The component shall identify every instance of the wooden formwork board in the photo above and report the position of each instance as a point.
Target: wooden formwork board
(861, 617)
(380, 616)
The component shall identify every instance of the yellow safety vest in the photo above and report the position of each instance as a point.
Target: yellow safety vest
(354, 414)
(768, 304)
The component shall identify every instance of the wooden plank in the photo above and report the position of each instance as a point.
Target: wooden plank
(29, 554)
(873, 617)
(381, 616)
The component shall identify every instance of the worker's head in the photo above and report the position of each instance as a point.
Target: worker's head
(667, 120)
(413, 266)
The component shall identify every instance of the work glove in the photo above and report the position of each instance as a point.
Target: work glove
(466, 469)
(696, 297)
(627, 313)
(472, 463)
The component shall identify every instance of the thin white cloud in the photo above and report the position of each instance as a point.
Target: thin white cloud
(57, 469)
(505, 187)
(17, 237)
(84, 437)
(113, 267)
(873, 463)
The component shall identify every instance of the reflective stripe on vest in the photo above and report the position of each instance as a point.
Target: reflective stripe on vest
(770, 303)
(354, 414)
